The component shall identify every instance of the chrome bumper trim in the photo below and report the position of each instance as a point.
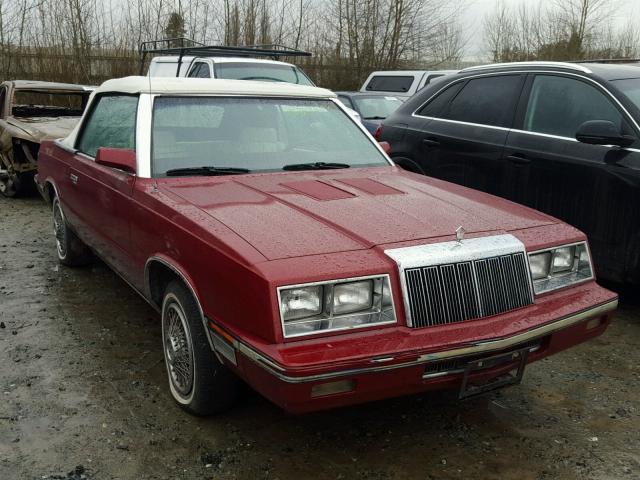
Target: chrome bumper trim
(480, 347)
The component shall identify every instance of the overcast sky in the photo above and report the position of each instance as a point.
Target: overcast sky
(476, 9)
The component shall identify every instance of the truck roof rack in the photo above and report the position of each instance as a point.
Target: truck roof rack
(182, 46)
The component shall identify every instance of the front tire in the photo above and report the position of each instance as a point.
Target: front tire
(198, 382)
(16, 184)
(71, 251)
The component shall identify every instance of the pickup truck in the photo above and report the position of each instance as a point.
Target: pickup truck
(281, 245)
(401, 83)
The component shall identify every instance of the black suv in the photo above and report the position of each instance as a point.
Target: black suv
(563, 138)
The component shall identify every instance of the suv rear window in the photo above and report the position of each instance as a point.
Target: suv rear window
(390, 83)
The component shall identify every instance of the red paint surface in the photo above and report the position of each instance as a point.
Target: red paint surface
(236, 238)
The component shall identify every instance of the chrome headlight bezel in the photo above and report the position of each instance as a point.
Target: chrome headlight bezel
(379, 311)
(562, 275)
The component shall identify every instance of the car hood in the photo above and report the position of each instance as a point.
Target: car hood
(45, 128)
(309, 213)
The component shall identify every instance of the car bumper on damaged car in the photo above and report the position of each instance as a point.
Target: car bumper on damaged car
(349, 369)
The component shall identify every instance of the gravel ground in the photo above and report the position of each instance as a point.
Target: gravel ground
(84, 395)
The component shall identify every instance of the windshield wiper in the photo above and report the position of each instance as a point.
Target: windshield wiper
(378, 117)
(315, 166)
(206, 170)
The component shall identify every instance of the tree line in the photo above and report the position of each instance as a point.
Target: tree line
(559, 30)
(70, 39)
(87, 41)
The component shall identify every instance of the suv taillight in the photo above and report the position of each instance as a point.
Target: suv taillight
(378, 133)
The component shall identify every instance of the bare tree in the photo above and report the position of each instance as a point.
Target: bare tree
(561, 30)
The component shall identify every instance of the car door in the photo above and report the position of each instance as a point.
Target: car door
(100, 196)
(593, 187)
(466, 128)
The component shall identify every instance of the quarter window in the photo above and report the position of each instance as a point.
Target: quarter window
(559, 105)
(487, 101)
(436, 106)
(112, 124)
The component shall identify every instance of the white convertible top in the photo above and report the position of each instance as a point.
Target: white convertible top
(182, 85)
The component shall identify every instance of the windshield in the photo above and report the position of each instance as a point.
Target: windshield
(631, 88)
(38, 103)
(267, 72)
(376, 108)
(256, 134)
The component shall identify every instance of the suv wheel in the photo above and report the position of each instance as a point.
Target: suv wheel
(199, 383)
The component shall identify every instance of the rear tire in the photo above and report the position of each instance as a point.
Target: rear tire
(71, 251)
(198, 382)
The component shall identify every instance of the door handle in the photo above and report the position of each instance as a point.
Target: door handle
(519, 159)
(73, 178)
(429, 142)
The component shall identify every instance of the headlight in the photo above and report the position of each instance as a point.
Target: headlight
(559, 267)
(301, 302)
(335, 305)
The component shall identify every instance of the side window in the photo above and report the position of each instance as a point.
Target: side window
(195, 70)
(201, 70)
(436, 105)
(205, 71)
(559, 105)
(112, 123)
(487, 101)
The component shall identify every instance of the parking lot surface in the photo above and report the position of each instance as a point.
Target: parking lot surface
(84, 395)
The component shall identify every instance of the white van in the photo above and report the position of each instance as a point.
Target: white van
(401, 83)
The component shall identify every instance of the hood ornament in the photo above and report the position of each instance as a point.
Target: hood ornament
(460, 234)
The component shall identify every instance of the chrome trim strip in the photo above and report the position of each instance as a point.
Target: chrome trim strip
(516, 130)
(480, 347)
(460, 122)
(572, 66)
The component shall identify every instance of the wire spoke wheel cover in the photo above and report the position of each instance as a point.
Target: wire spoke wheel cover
(60, 231)
(178, 349)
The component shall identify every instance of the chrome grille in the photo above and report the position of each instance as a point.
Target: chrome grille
(454, 292)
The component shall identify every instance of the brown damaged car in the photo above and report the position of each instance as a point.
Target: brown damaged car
(32, 111)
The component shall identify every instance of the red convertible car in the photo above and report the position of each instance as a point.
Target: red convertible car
(283, 247)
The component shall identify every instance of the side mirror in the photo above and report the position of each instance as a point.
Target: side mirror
(603, 132)
(121, 158)
(386, 146)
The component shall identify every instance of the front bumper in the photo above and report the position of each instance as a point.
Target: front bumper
(295, 388)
